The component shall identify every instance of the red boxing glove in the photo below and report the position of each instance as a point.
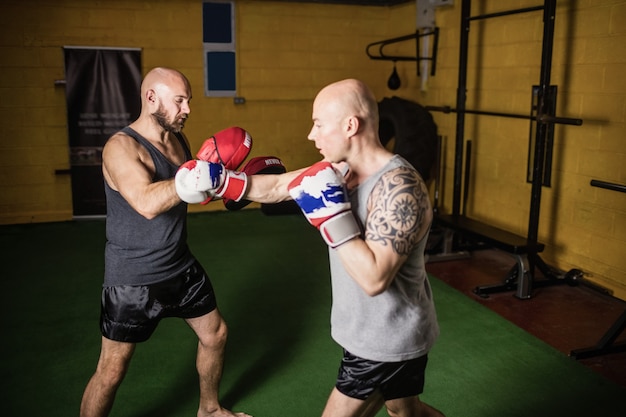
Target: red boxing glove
(229, 147)
(256, 166)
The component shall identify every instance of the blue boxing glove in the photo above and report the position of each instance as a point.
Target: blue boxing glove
(321, 194)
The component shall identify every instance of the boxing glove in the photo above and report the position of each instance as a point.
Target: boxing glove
(197, 179)
(189, 195)
(321, 195)
(256, 166)
(229, 147)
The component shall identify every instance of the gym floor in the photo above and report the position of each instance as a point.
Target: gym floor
(564, 316)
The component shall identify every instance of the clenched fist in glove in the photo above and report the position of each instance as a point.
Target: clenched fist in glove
(196, 181)
(323, 198)
(229, 147)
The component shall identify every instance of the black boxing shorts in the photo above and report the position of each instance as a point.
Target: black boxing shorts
(359, 378)
(131, 313)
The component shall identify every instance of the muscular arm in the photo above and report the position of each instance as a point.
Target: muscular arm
(129, 170)
(399, 215)
(270, 189)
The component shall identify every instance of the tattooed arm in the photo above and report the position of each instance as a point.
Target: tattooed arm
(399, 215)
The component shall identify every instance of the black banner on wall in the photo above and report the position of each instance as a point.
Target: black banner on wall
(102, 91)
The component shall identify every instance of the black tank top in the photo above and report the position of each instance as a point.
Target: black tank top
(139, 251)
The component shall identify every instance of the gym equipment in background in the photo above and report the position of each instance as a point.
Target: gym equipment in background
(525, 249)
(414, 130)
(606, 344)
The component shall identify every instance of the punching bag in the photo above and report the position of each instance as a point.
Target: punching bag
(414, 130)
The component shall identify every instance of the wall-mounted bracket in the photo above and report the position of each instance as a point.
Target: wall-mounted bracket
(380, 54)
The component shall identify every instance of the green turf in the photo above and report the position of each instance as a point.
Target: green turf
(271, 278)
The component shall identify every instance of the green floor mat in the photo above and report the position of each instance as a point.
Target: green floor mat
(271, 278)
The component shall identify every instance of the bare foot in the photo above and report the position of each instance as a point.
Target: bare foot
(222, 412)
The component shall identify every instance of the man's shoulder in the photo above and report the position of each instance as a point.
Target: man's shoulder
(405, 171)
(121, 146)
(121, 138)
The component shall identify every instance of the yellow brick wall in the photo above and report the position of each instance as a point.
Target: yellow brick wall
(583, 226)
(287, 51)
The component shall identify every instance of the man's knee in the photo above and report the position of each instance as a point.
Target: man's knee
(221, 333)
(411, 407)
(214, 333)
(111, 374)
(114, 361)
(404, 407)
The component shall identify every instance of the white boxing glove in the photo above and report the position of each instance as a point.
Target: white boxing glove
(201, 180)
(189, 187)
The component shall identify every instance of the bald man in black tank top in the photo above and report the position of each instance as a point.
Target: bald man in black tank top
(150, 272)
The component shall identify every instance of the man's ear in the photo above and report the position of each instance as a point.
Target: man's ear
(151, 96)
(353, 125)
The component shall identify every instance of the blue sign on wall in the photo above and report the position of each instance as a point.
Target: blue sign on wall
(218, 37)
(220, 71)
(217, 27)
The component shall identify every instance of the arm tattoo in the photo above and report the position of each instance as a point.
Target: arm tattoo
(399, 205)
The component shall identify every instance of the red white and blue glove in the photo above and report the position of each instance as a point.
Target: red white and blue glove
(198, 181)
(322, 196)
(229, 147)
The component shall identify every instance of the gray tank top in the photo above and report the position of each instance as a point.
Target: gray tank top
(396, 325)
(139, 251)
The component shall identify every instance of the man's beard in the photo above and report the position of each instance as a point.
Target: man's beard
(161, 119)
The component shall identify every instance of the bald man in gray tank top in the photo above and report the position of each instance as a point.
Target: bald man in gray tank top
(373, 210)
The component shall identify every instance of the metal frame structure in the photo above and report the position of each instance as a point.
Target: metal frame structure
(607, 343)
(380, 53)
(544, 119)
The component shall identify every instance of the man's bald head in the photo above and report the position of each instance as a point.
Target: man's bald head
(351, 97)
(165, 96)
(161, 78)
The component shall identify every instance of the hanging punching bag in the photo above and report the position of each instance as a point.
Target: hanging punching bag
(394, 80)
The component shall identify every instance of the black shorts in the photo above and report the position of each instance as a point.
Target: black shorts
(131, 313)
(359, 378)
